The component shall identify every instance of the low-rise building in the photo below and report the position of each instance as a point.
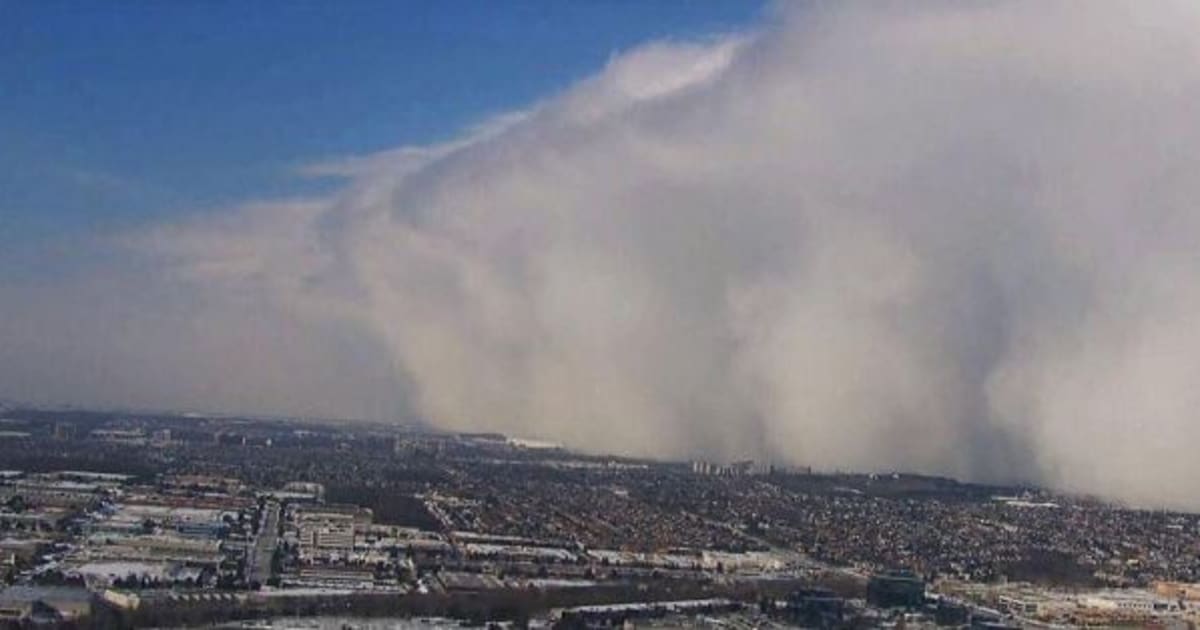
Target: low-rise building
(897, 589)
(45, 604)
(328, 531)
(38, 520)
(49, 492)
(1178, 590)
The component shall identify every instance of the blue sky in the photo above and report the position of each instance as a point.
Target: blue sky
(113, 114)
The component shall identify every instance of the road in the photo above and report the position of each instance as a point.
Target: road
(258, 565)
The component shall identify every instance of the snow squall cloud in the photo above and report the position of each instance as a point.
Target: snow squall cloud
(957, 238)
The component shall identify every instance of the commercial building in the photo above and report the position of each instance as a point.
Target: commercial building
(1177, 590)
(44, 604)
(52, 493)
(135, 518)
(895, 590)
(328, 531)
(44, 520)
